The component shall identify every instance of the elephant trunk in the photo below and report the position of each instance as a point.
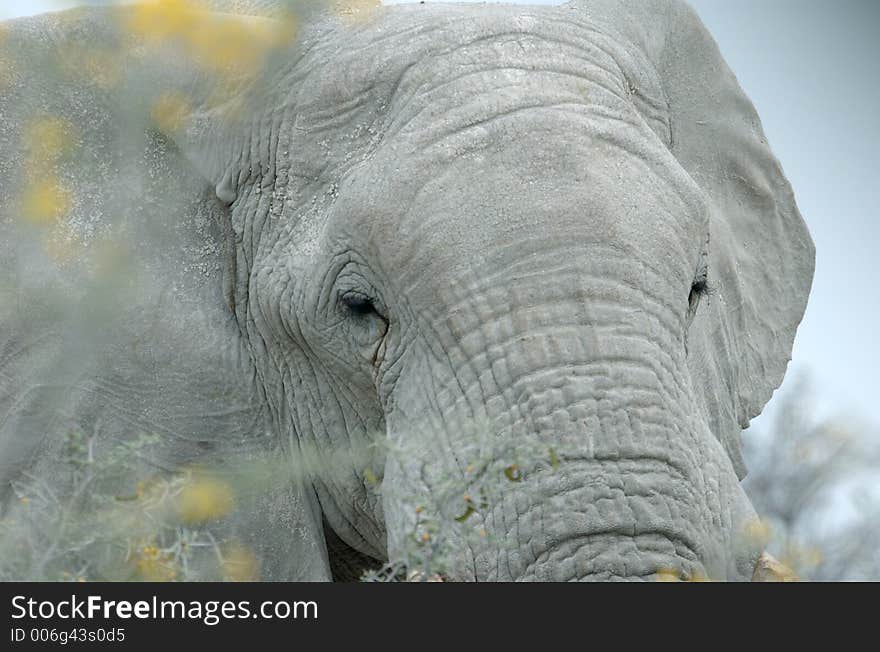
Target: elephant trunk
(604, 468)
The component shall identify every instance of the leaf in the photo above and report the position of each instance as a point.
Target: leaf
(513, 473)
(470, 510)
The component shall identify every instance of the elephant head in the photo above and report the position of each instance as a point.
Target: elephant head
(554, 232)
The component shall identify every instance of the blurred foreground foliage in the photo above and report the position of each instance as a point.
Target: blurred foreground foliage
(449, 510)
(80, 527)
(816, 485)
(99, 515)
(813, 482)
(229, 52)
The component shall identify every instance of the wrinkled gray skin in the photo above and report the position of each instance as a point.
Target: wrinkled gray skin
(528, 196)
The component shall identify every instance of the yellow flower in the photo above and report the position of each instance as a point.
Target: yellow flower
(153, 565)
(757, 530)
(356, 11)
(170, 112)
(149, 487)
(239, 564)
(100, 67)
(204, 499)
(218, 42)
(45, 201)
(768, 569)
(226, 44)
(46, 140)
(161, 19)
(698, 577)
(668, 575)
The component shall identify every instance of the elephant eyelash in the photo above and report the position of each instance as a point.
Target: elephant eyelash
(359, 305)
(700, 286)
(699, 289)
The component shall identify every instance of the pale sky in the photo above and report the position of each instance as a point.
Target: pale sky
(812, 68)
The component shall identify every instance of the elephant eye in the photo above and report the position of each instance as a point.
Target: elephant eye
(366, 324)
(359, 305)
(699, 288)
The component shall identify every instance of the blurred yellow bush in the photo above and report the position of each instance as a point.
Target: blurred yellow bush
(204, 498)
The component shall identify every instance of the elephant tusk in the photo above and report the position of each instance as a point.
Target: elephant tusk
(770, 569)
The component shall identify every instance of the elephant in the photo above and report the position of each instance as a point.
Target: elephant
(416, 232)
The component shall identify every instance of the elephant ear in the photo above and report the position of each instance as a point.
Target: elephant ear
(761, 256)
(118, 270)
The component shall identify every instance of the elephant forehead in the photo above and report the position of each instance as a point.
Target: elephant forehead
(422, 73)
(543, 183)
(504, 126)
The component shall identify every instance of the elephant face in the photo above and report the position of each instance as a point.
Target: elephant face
(489, 228)
(548, 229)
